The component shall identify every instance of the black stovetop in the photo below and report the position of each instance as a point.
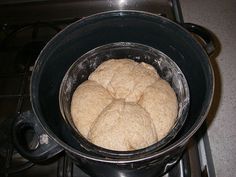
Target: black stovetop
(21, 39)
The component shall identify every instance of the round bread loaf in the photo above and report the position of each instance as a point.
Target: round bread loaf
(124, 105)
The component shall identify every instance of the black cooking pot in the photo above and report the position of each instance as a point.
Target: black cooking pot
(84, 35)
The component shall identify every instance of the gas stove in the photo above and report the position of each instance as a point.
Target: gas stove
(22, 37)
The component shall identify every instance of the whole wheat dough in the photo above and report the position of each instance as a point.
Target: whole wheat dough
(88, 101)
(123, 126)
(124, 106)
(160, 101)
(125, 78)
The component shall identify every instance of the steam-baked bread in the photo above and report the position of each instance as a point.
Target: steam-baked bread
(124, 106)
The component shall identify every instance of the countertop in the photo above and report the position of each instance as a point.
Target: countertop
(220, 18)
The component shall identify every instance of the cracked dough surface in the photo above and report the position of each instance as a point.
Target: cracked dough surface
(124, 105)
(123, 126)
(124, 78)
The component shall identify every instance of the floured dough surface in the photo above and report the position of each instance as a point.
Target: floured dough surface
(124, 106)
(160, 101)
(88, 101)
(124, 78)
(123, 126)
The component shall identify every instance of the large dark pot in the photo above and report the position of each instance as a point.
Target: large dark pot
(80, 37)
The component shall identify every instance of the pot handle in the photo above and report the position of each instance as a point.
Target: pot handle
(204, 34)
(31, 141)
